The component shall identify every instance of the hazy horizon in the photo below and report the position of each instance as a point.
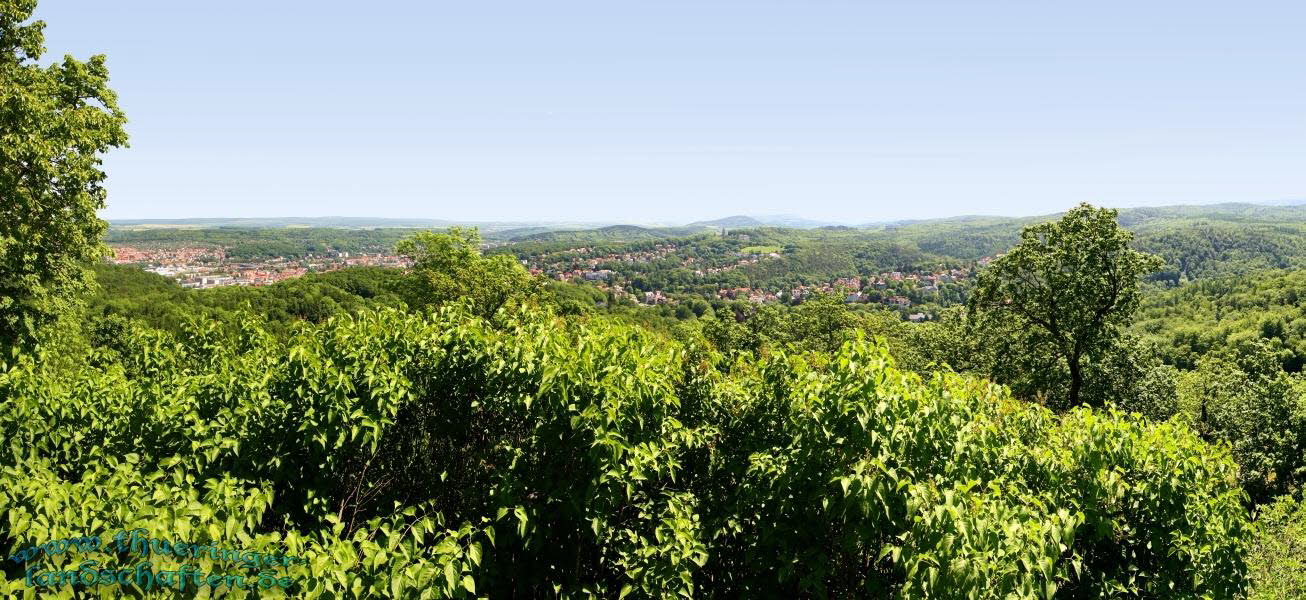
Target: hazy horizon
(766, 219)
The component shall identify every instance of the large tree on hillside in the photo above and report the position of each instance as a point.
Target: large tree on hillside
(55, 123)
(1061, 296)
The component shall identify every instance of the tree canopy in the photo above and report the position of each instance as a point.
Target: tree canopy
(55, 123)
(1061, 296)
(449, 266)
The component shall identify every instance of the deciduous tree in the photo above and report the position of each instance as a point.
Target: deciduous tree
(55, 123)
(449, 266)
(1064, 292)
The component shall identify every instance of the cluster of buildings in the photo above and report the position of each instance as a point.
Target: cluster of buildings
(202, 268)
(747, 259)
(167, 257)
(891, 288)
(595, 274)
(653, 298)
(884, 288)
(205, 277)
(578, 274)
(583, 260)
(928, 282)
(754, 295)
(582, 264)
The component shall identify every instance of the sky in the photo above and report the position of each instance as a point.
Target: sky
(674, 111)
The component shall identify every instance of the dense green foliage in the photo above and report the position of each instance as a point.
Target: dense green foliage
(162, 304)
(1062, 295)
(1278, 556)
(449, 266)
(1205, 250)
(1229, 312)
(1244, 399)
(530, 456)
(55, 124)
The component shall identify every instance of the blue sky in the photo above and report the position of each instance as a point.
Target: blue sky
(675, 111)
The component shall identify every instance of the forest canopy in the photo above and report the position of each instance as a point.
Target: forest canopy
(428, 451)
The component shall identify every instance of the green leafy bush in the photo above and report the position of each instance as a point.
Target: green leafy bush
(530, 456)
(1278, 556)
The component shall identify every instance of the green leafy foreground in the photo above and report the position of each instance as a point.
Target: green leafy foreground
(525, 455)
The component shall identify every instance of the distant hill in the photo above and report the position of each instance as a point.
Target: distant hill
(1135, 217)
(958, 221)
(735, 221)
(744, 221)
(260, 222)
(527, 230)
(1235, 212)
(612, 233)
(518, 233)
(796, 222)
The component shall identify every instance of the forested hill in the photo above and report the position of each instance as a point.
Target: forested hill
(1196, 241)
(618, 233)
(1266, 307)
(1232, 212)
(1198, 248)
(160, 303)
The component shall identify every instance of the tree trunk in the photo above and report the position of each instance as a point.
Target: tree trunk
(1076, 379)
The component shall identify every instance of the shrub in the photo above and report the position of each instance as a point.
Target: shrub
(525, 455)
